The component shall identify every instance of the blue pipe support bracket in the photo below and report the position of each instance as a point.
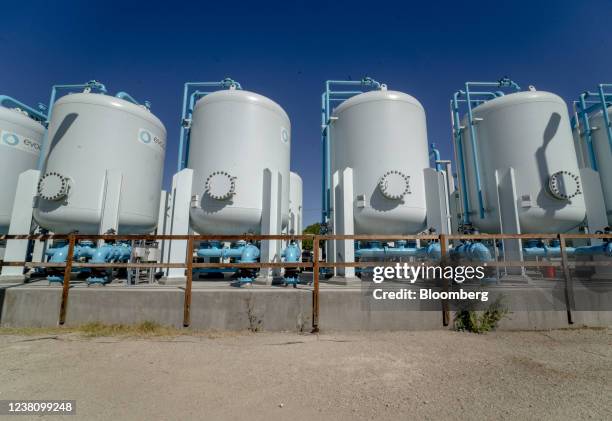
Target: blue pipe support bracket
(335, 95)
(187, 111)
(36, 114)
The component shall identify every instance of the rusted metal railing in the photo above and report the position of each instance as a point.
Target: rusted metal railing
(317, 264)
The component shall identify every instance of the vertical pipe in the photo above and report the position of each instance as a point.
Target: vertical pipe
(188, 282)
(588, 137)
(67, 274)
(474, 151)
(462, 175)
(181, 162)
(323, 163)
(315, 281)
(606, 117)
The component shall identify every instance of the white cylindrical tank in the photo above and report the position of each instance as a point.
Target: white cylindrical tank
(295, 203)
(603, 155)
(20, 143)
(530, 132)
(88, 135)
(235, 136)
(382, 136)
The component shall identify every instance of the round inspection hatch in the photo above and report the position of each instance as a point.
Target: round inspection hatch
(53, 186)
(220, 185)
(564, 185)
(394, 185)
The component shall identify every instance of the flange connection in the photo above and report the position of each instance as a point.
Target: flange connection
(394, 185)
(220, 185)
(564, 185)
(53, 186)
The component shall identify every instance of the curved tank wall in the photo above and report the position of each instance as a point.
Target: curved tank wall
(235, 136)
(603, 155)
(295, 204)
(88, 135)
(530, 132)
(20, 143)
(382, 136)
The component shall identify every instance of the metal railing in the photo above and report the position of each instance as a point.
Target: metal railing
(317, 265)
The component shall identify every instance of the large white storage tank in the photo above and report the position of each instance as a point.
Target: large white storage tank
(20, 143)
(382, 136)
(295, 203)
(235, 136)
(603, 153)
(530, 132)
(90, 134)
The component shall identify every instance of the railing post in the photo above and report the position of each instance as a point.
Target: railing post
(443, 258)
(315, 281)
(66, 284)
(569, 283)
(188, 282)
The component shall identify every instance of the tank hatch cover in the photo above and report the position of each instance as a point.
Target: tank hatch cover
(220, 185)
(53, 186)
(564, 185)
(394, 185)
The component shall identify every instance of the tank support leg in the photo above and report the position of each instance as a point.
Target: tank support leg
(110, 204)
(271, 224)
(21, 222)
(436, 198)
(508, 218)
(178, 203)
(344, 222)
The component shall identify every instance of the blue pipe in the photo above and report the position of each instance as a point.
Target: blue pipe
(292, 253)
(477, 252)
(604, 110)
(89, 86)
(376, 250)
(587, 131)
(127, 97)
(39, 115)
(435, 153)
(186, 112)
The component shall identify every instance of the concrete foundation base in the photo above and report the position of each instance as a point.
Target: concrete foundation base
(172, 281)
(343, 280)
(11, 279)
(217, 305)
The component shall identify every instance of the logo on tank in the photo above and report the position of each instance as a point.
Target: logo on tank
(149, 139)
(284, 135)
(17, 141)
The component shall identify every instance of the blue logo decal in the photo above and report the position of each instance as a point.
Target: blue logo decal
(145, 136)
(10, 139)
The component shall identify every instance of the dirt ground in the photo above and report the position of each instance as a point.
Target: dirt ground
(406, 375)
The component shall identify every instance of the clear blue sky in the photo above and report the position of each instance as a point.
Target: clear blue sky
(286, 50)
